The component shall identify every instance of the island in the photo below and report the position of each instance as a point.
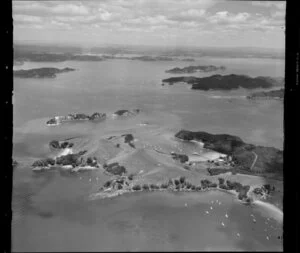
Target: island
(20, 56)
(125, 112)
(225, 82)
(126, 162)
(245, 157)
(273, 94)
(188, 59)
(152, 58)
(194, 69)
(40, 72)
(74, 162)
(57, 120)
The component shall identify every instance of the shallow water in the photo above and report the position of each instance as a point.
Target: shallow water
(54, 214)
(52, 211)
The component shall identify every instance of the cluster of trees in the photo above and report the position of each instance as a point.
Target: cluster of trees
(44, 162)
(69, 159)
(182, 183)
(180, 157)
(57, 145)
(115, 168)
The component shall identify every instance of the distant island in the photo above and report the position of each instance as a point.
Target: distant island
(225, 82)
(188, 59)
(53, 57)
(146, 58)
(20, 57)
(40, 72)
(194, 69)
(273, 94)
(152, 58)
(57, 120)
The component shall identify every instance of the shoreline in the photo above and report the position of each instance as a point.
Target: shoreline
(111, 193)
(255, 200)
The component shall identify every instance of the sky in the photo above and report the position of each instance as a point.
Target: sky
(152, 22)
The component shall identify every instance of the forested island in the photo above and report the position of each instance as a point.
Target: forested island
(194, 69)
(246, 157)
(225, 82)
(147, 58)
(40, 72)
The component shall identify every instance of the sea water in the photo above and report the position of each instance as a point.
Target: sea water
(52, 211)
(54, 214)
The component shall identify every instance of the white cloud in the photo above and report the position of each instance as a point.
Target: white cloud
(193, 13)
(42, 8)
(115, 18)
(76, 19)
(26, 18)
(225, 17)
(70, 9)
(278, 14)
(104, 15)
(148, 20)
(61, 25)
(277, 4)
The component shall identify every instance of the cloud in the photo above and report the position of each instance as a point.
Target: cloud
(175, 19)
(277, 4)
(42, 8)
(26, 19)
(148, 20)
(192, 13)
(278, 14)
(70, 9)
(224, 17)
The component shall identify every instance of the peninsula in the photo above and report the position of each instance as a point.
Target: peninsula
(246, 157)
(224, 162)
(41, 72)
(194, 69)
(224, 82)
